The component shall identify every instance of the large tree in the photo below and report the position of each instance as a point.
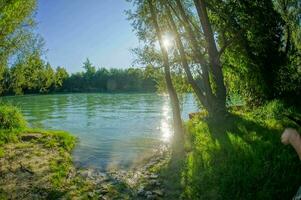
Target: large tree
(16, 21)
(147, 21)
(177, 122)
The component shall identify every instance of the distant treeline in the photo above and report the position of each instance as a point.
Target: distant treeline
(36, 76)
(109, 80)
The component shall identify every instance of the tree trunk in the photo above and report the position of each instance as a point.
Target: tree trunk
(203, 99)
(214, 60)
(198, 56)
(288, 39)
(178, 138)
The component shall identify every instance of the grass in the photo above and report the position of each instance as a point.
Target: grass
(60, 139)
(13, 128)
(11, 117)
(241, 157)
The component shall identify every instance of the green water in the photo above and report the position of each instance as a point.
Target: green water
(114, 130)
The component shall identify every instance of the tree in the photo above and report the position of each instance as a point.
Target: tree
(253, 30)
(214, 56)
(14, 28)
(288, 79)
(46, 79)
(89, 68)
(60, 77)
(146, 18)
(177, 121)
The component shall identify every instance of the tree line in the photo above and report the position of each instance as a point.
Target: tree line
(37, 77)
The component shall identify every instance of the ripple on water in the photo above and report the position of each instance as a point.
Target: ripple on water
(113, 129)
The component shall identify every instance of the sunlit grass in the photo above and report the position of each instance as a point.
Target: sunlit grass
(239, 158)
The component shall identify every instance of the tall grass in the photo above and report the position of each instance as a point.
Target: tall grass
(11, 117)
(12, 123)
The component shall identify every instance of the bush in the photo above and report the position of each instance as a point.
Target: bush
(242, 158)
(11, 118)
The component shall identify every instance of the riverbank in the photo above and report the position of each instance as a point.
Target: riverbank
(38, 165)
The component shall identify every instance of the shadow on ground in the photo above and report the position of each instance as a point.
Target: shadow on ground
(238, 158)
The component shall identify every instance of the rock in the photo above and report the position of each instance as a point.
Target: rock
(147, 193)
(151, 197)
(153, 176)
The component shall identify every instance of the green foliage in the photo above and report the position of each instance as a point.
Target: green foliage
(32, 75)
(16, 21)
(253, 30)
(11, 117)
(242, 157)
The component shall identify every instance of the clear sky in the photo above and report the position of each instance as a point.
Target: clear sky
(76, 29)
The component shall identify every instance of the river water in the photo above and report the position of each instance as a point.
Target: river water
(114, 130)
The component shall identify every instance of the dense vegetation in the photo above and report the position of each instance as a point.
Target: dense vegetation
(257, 45)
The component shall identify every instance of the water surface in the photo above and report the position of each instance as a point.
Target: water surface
(114, 130)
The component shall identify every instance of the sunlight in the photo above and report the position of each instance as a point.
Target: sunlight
(165, 123)
(168, 41)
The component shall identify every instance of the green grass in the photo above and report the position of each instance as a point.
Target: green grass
(12, 123)
(241, 157)
(55, 138)
(11, 117)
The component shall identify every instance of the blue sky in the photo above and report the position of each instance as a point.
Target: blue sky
(76, 29)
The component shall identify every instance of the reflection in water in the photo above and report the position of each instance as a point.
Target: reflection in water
(165, 122)
(114, 130)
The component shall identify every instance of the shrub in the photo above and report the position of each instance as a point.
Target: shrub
(11, 118)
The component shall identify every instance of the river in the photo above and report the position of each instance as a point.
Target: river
(114, 130)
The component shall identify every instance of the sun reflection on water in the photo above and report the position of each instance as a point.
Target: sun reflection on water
(165, 123)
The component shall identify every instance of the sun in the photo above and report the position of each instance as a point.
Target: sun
(167, 41)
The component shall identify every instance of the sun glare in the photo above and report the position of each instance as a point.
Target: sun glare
(167, 41)
(165, 123)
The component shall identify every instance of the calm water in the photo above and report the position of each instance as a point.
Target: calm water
(114, 130)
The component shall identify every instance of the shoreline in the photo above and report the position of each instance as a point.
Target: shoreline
(46, 170)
